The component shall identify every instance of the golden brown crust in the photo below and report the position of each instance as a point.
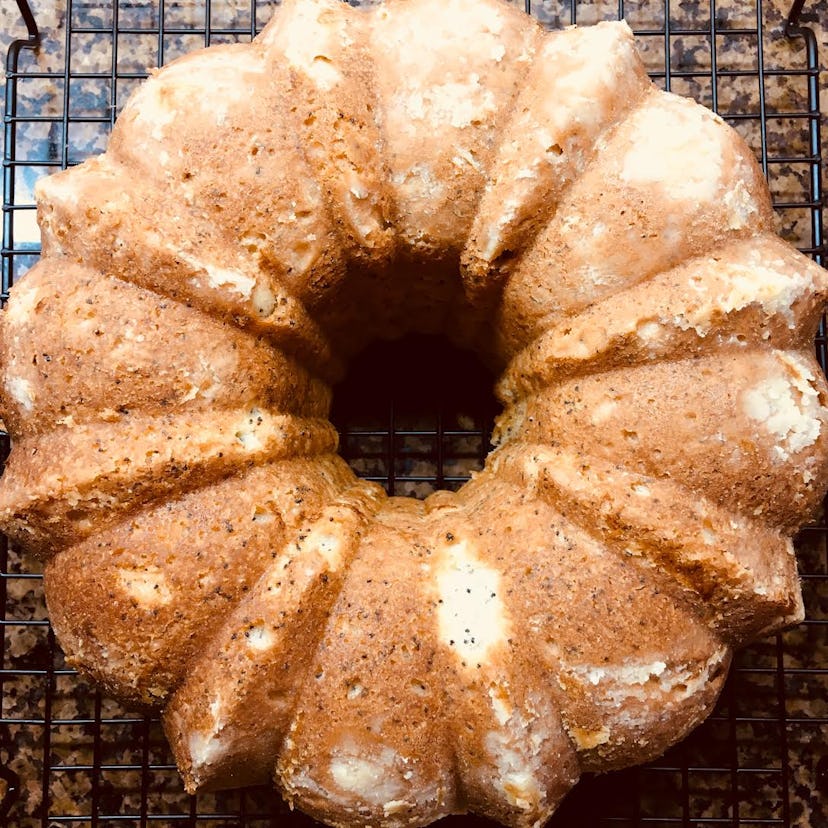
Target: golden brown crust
(760, 452)
(583, 81)
(333, 103)
(255, 197)
(262, 212)
(80, 346)
(63, 486)
(637, 210)
(738, 573)
(230, 716)
(118, 233)
(756, 292)
(366, 743)
(136, 604)
(446, 77)
(634, 664)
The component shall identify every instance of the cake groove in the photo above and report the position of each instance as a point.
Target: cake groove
(441, 118)
(57, 483)
(141, 599)
(307, 574)
(557, 114)
(619, 226)
(274, 216)
(582, 604)
(367, 744)
(505, 727)
(81, 346)
(762, 414)
(325, 44)
(155, 264)
(720, 556)
(697, 307)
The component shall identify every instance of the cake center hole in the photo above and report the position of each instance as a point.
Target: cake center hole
(415, 415)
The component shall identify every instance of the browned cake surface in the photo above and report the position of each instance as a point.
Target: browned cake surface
(265, 210)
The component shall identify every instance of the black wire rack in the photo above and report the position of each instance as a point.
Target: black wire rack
(69, 756)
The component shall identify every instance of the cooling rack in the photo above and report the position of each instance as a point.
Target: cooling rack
(416, 420)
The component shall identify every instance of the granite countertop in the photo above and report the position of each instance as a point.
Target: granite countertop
(127, 740)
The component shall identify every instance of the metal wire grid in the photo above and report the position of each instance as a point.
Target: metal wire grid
(68, 756)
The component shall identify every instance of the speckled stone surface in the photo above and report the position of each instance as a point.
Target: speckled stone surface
(72, 754)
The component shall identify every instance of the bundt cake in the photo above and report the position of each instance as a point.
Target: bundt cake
(265, 210)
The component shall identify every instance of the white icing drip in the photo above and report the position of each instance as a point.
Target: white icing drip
(20, 390)
(259, 637)
(471, 614)
(147, 586)
(368, 775)
(787, 406)
(645, 682)
(667, 133)
(247, 432)
(204, 749)
(457, 104)
(221, 277)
